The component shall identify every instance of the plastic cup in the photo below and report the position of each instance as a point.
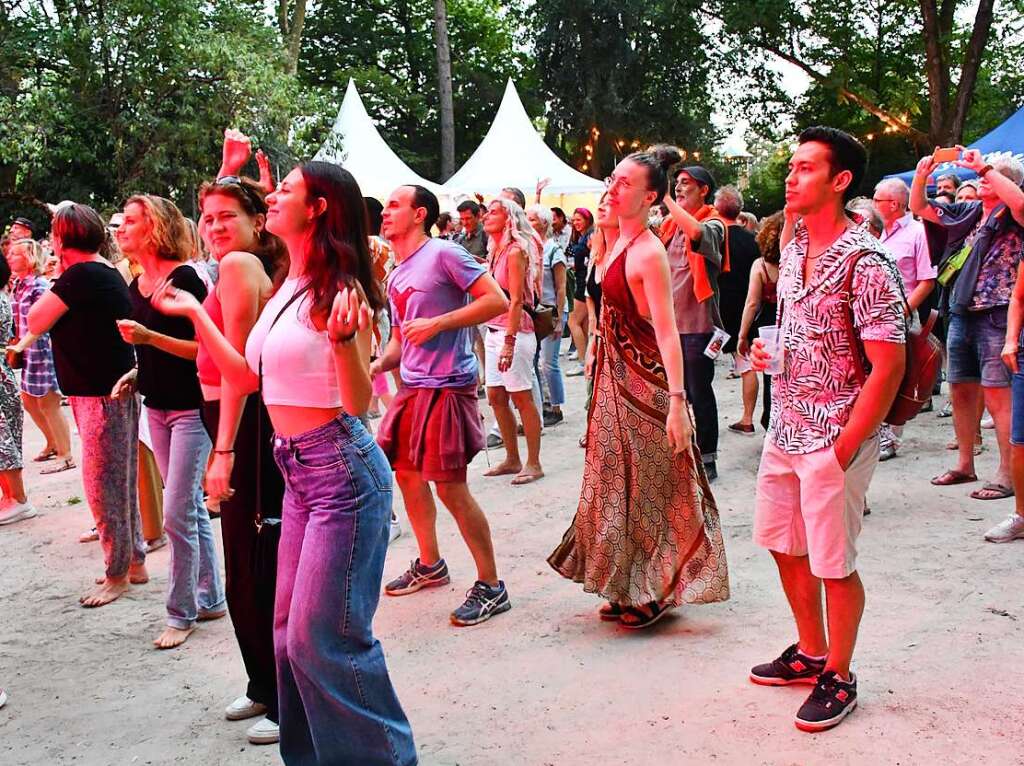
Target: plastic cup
(770, 338)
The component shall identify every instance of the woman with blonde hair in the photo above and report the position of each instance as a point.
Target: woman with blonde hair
(155, 234)
(510, 345)
(40, 393)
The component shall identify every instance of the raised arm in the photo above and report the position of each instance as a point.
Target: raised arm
(1008, 191)
(686, 222)
(919, 190)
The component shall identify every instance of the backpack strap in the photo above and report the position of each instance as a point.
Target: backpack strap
(855, 341)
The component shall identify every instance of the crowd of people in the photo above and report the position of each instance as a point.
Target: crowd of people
(235, 366)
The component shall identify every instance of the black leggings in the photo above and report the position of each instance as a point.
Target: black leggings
(698, 375)
(250, 556)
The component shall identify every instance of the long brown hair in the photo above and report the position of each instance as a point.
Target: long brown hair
(339, 251)
(768, 237)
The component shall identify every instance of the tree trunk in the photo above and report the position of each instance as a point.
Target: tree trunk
(291, 24)
(444, 89)
(969, 70)
(937, 69)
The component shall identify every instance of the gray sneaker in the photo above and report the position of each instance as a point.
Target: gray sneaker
(13, 512)
(1009, 529)
(417, 577)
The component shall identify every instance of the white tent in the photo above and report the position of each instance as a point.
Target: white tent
(355, 143)
(514, 154)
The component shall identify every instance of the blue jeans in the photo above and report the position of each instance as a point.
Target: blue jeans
(181, 448)
(337, 705)
(551, 373)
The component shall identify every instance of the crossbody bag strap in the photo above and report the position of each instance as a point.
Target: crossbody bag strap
(259, 403)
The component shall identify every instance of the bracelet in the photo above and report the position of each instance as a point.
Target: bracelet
(346, 340)
(223, 452)
(510, 340)
(984, 171)
(677, 394)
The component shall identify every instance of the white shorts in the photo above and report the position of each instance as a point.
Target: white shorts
(519, 376)
(807, 505)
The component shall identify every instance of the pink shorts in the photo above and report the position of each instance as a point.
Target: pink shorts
(807, 505)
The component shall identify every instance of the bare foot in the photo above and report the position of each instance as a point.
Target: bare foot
(528, 475)
(505, 468)
(137, 575)
(172, 637)
(107, 591)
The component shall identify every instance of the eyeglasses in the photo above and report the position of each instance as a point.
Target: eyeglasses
(611, 181)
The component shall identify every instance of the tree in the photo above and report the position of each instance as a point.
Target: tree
(444, 89)
(110, 97)
(387, 47)
(622, 74)
(879, 56)
(291, 19)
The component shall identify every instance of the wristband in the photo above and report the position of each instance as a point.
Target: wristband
(346, 340)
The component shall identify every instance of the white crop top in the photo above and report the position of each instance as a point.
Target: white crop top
(298, 361)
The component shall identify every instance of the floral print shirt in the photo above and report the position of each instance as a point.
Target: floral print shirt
(813, 397)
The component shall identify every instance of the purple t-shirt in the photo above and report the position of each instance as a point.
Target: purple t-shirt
(433, 281)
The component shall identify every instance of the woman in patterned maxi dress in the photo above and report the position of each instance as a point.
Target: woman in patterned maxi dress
(646, 535)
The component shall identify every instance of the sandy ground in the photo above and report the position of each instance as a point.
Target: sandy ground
(939, 657)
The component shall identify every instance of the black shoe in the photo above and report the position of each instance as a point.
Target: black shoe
(418, 576)
(552, 418)
(493, 440)
(481, 604)
(830, 702)
(791, 667)
(711, 471)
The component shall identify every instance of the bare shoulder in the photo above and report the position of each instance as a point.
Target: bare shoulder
(239, 261)
(648, 249)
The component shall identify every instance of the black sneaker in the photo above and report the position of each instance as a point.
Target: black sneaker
(418, 576)
(711, 471)
(482, 603)
(552, 418)
(493, 441)
(791, 667)
(830, 702)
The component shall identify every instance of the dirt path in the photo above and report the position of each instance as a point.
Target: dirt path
(939, 656)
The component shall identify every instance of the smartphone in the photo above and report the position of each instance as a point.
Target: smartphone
(949, 154)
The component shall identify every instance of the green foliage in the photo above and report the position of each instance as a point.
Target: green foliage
(387, 46)
(636, 70)
(110, 97)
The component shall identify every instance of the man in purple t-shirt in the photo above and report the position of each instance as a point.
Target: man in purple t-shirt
(438, 294)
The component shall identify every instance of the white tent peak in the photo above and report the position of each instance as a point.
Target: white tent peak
(356, 144)
(513, 153)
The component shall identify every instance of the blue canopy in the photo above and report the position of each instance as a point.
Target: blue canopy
(1008, 138)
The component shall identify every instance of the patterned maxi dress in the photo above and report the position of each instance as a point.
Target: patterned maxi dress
(11, 415)
(647, 526)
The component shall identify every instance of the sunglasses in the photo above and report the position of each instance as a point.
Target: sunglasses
(257, 201)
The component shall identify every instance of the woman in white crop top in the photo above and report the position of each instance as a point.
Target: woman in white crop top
(312, 341)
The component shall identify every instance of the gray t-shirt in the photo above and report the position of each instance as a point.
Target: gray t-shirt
(553, 255)
(693, 318)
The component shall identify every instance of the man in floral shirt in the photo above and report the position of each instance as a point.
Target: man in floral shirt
(985, 238)
(822, 444)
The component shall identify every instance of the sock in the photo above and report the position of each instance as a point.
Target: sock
(821, 658)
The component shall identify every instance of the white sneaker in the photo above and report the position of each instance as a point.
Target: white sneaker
(16, 512)
(243, 708)
(1009, 529)
(988, 422)
(3, 698)
(89, 537)
(264, 732)
(157, 544)
(396, 530)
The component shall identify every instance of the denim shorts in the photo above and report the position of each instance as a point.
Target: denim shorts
(974, 344)
(1017, 417)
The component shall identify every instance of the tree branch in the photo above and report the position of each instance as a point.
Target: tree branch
(969, 70)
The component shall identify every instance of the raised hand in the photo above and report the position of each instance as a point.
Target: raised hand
(349, 314)
(266, 176)
(235, 153)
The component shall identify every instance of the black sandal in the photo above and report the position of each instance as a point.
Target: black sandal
(610, 612)
(642, 619)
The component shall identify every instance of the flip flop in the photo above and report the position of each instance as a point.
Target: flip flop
(951, 477)
(610, 612)
(1001, 491)
(46, 454)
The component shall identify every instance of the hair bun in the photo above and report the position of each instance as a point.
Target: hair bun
(666, 155)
